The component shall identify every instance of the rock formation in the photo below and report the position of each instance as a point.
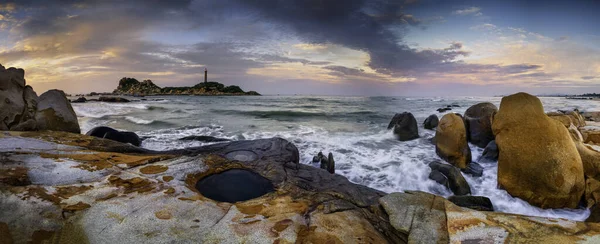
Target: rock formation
(478, 120)
(451, 141)
(405, 126)
(431, 122)
(115, 135)
(538, 160)
(22, 110)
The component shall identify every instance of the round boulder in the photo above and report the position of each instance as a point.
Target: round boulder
(478, 119)
(538, 161)
(405, 126)
(54, 112)
(431, 122)
(451, 141)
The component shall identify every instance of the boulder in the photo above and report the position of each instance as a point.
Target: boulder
(12, 104)
(455, 180)
(113, 99)
(538, 161)
(590, 136)
(451, 141)
(478, 120)
(473, 169)
(431, 122)
(490, 153)
(590, 159)
(478, 203)
(330, 164)
(115, 135)
(54, 112)
(568, 117)
(79, 100)
(405, 126)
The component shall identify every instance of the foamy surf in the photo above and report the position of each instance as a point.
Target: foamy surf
(352, 128)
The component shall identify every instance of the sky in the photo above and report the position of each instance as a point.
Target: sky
(312, 47)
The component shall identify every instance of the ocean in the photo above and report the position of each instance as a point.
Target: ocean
(354, 129)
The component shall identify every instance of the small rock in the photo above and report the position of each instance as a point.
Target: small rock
(79, 100)
(490, 153)
(431, 122)
(478, 203)
(456, 182)
(473, 169)
(203, 139)
(113, 100)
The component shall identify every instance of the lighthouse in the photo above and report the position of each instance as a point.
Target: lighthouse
(205, 75)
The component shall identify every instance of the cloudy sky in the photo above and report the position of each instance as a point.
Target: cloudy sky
(333, 47)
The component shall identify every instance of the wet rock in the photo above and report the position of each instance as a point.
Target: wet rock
(473, 169)
(405, 126)
(451, 141)
(431, 122)
(441, 110)
(478, 203)
(79, 100)
(204, 139)
(549, 173)
(248, 150)
(490, 153)
(115, 135)
(234, 185)
(478, 121)
(113, 99)
(456, 182)
(330, 164)
(54, 112)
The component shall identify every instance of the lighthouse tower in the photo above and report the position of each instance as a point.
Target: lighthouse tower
(205, 76)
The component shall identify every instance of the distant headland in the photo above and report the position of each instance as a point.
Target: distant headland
(133, 87)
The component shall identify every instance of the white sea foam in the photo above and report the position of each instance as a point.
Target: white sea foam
(138, 121)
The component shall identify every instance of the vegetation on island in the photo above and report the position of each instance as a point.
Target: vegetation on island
(131, 86)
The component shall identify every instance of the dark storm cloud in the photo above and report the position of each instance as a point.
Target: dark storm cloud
(589, 77)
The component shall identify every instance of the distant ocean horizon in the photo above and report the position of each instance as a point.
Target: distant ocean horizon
(353, 128)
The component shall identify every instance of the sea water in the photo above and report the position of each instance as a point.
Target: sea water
(354, 129)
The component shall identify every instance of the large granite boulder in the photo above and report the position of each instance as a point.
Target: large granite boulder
(478, 119)
(431, 122)
(451, 141)
(568, 118)
(405, 126)
(17, 101)
(538, 160)
(55, 113)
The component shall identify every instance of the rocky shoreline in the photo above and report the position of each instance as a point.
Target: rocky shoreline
(59, 186)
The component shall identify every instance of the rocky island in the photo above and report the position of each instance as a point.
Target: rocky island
(59, 186)
(133, 87)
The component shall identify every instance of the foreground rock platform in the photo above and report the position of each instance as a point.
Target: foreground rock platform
(58, 187)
